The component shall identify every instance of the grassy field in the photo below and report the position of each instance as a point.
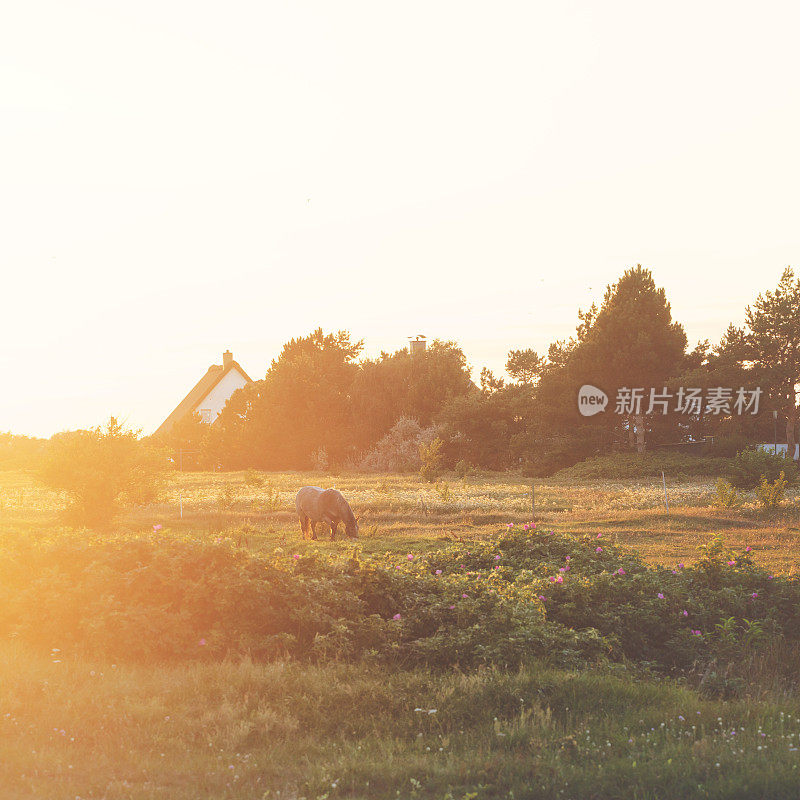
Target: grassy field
(399, 511)
(75, 728)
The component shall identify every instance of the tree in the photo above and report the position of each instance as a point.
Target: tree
(401, 384)
(490, 384)
(103, 470)
(629, 342)
(772, 344)
(724, 365)
(524, 366)
(190, 442)
(303, 404)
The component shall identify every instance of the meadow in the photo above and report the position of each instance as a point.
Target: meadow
(236, 725)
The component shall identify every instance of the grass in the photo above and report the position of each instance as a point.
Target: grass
(75, 728)
(400, 511)
(247, 730)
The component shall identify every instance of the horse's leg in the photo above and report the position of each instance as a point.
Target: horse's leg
(313, 529)
(334, 523)
(304, 525)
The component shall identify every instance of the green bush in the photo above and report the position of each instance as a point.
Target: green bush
(749, 466)
(771, 494)
(463, 469)
(728, 446)
(522, 595)
(644, 465)
(728, 496)
(103, 471)
(430, 456)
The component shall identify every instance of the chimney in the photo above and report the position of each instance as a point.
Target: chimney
(417, 345)
(227, 359)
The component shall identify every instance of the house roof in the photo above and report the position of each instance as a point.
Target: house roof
(215, 373)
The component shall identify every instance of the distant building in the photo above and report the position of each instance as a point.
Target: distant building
(418, 345)
(210, 394)
(780, 449)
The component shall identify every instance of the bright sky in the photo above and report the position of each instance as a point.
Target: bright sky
(178, 178)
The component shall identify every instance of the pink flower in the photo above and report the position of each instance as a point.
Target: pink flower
(156, 528)
(438, 572)
(696, 633)
(567, 558)
(685, 613)
(731, 563)
(598, 549)
(680, 566)
(748, 549)
(397, 616)
(599, 535)
(754, 595)
(295, 556)
(770, 577)
(620, 571)
(542, 597)
(452, 607)
(674, 572)
(562, 569)
(660, 596)
(202, 643)
(497, 558)
(410, 557)
(463, 595)
(510, 525)
(559, 579)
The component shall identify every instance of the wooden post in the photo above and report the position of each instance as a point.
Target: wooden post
(664, 481)
(533, 504)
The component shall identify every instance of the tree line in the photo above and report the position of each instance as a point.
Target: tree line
(322, 404)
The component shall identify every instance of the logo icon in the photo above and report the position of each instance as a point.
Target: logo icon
(591, 400)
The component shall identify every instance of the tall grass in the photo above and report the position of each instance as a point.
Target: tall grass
(240, 730)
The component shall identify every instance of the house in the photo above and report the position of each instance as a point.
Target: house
(210, 393)
(779, 449)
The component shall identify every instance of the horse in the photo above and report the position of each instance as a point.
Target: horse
(324, 505)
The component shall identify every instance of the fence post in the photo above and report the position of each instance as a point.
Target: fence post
(533, 504)
(664, 481)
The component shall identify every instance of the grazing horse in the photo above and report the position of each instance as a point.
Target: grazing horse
(324, 505)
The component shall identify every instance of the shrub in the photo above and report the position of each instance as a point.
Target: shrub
(398, 450)
(21, 452)
(644, 465)
(226, 498)
(463, 469)
(252, 477)
(442, 489)
(319, 459)
(430, 456)
(771, 494)
(103, 471)
(520, 596)
(728, 496)
(728, 446)
(749, 466)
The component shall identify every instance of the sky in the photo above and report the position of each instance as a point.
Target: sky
(181, 178)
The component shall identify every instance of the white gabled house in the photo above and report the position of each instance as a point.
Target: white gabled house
(210, 393)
